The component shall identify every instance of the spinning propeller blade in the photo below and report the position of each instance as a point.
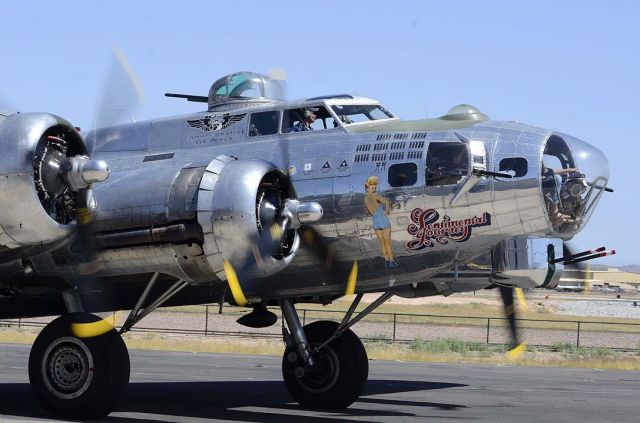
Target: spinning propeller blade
(122, 93)
(517, 346)
(331, 265)
(234, 284)
(522, 301)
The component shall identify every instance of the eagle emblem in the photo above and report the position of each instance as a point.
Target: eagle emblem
(212, 123)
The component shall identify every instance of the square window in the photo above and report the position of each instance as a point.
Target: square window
(515, 166)
(447, 163)
(403, 174)
(264, 123)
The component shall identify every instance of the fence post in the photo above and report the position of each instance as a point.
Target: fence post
(488, 327)
(19, 322)
(304, 316)
(578, 337)
(206, 319)
(393, 339)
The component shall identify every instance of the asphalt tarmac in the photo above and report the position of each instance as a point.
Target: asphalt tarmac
(196, 387)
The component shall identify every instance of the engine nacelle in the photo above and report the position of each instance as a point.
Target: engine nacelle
(526, 262)
(235, 200)
(37, 207)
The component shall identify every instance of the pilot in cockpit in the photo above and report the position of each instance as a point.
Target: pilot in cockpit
(305, 124)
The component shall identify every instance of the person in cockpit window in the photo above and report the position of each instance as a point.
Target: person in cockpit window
(305, 124)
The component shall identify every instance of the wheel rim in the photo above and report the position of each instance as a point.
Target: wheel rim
(67, 368)
(324, 374)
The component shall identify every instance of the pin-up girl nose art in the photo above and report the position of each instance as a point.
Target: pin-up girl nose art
(379, 208)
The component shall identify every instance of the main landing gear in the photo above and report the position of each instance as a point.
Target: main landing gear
(78, 377)
(325, 365)
(83, 375)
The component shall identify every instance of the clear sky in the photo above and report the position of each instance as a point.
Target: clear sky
(571, 66)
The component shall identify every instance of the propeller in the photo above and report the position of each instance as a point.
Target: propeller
(277, 220)
(517, 346)
(121, 94)
(262, 249)
(276, 223)
(570, 258)
(316, 244)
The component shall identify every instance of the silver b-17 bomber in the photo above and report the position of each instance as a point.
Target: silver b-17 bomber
(263, 202)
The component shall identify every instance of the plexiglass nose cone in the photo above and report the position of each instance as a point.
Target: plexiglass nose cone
(574, 176)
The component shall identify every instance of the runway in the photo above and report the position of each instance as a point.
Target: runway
(190, 387)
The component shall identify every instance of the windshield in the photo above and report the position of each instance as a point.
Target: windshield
(361, 113)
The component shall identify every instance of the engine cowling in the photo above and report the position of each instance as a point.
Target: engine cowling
(249, 215)
(43, 155)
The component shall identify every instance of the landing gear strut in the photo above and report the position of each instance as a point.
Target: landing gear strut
(84, 377)
(325, 365)
(79, 378)
(337, 373)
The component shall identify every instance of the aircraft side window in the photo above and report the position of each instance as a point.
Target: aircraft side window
(313, 118)
(403, 174)
(264, 123)
(350, 113)
(515, 166)
(447, 163)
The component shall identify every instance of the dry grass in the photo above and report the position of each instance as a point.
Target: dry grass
(18, 336)
(444, 351)
(462, 310)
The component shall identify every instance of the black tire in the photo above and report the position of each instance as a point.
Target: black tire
(340, 373)
(78, 378)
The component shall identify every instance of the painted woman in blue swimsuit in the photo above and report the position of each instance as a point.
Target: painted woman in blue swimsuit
(379, 208)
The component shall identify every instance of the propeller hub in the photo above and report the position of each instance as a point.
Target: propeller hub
(302, 212)
(80, 171)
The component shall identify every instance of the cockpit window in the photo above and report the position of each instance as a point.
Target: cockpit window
(361, 113)
(313, 118)
(264, 123)
(447, 163)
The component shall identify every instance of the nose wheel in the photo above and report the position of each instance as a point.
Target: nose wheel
(336, 374)
(78, 378)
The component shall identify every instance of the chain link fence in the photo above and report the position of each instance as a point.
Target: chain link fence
(387, 327)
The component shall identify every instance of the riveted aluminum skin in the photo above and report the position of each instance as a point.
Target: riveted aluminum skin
(181, 261)
(23, 220)
(171, 170)
(227, 213)
(144, 196)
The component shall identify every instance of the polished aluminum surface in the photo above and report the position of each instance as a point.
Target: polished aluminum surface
(227, 212)
(303, 212)
(206, 167)
(23, 221)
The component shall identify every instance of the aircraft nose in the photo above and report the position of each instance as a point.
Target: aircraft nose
(575, 174)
